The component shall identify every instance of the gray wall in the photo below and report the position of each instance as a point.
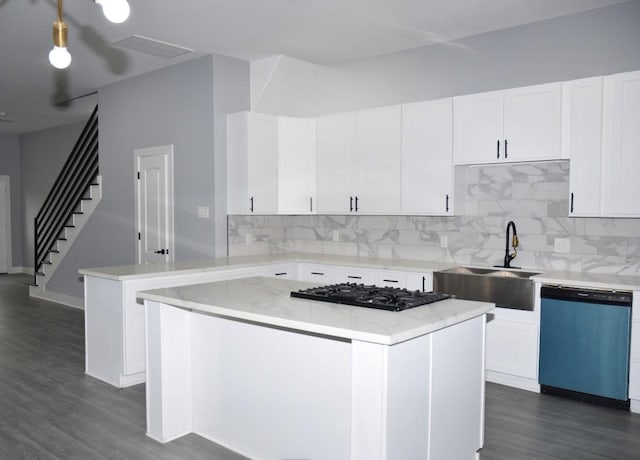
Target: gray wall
(10, 166)
(231, 94)
(175, 106)
(42, 154)
(597, 42)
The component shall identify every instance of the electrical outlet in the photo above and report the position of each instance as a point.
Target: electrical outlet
(203, 212)
(444, 241)
(336, 235)
(248, 238)
(562, 245)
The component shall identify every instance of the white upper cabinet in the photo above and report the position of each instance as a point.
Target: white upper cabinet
(477, 128)
(427, 157)
(336, 163)
(520, 124)
(584, 140)
(252, 163)
(378, 145)
(296, 165)
(358, 162)
(621, 146)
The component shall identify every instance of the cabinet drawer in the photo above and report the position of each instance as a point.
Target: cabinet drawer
(388, 278)
(356, 275)
(316, 273)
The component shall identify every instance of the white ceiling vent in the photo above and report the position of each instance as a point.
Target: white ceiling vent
(152, 46)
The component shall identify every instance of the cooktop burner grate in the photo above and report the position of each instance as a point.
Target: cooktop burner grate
(360, 295)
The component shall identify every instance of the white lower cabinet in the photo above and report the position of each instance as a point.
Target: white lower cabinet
(512, 348)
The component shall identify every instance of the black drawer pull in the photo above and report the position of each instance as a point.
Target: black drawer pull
(391, 281)
(317, 273)
(281, 273)
(352, 277)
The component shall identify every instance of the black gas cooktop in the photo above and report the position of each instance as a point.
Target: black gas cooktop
(359, 295)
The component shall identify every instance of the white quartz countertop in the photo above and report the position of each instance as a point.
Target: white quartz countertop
(267, 301)
(159, 270)
(590, 280)
(142, 271)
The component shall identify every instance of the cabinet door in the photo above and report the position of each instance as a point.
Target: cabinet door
(533, 123)
(420, 282)
(512, 347)
(134, 340)
(621, 146)
(237, 146)
(427, 157)
(296, 165)
(262, 163)
(335, 162)
(378, 138)
(584, 132)
(478, 128)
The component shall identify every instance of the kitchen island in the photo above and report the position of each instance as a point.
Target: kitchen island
(243, 364)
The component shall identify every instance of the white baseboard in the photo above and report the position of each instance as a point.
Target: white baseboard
(21, 270)
(63, 299)
(512, 381)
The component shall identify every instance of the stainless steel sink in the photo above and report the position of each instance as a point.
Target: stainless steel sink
(506, 288)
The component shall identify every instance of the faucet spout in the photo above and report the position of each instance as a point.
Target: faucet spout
(508, 257)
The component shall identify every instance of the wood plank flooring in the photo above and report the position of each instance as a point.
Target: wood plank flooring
(50, 410)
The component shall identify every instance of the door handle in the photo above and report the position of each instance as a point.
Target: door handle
(161, 251)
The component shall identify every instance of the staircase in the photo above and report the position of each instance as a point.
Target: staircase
(68, 206)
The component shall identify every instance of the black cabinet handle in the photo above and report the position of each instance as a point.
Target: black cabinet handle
(571, 210)
(391, 281)
(356, 204)
(251, 204)
(281, 274)
(423, 284)
(506, 148)
(350, 204)
(498, 149)
(353, 277)
(310, 204)
(317, 273)
(446, 203)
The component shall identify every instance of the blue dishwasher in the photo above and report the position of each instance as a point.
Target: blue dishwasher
(584, 344)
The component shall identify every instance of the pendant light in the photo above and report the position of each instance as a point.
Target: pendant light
(59, 56)
(116, 11)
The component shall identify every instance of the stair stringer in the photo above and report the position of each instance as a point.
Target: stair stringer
(56, 255)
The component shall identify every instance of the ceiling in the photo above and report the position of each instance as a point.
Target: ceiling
(327, 32)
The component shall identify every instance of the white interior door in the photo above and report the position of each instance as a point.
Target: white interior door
(154, 204)
(5, 225)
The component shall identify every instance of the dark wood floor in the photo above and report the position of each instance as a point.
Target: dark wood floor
(50, 410)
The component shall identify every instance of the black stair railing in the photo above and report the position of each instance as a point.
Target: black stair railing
(78, 173)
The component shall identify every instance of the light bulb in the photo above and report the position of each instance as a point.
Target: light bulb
(59, 57)
(116, 11)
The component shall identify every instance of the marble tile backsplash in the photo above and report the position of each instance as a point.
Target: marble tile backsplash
(533, 195)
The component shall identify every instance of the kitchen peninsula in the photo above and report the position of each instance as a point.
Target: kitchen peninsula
(243, 364)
